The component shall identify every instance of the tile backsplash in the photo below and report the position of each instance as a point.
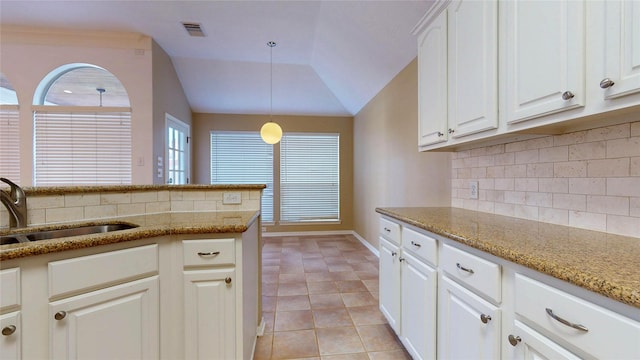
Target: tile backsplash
(587, 179)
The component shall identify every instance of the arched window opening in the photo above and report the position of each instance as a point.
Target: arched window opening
(9, 131)
(82, 128)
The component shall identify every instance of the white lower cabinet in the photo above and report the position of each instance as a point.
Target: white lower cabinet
(418, 314)
(447, 301)
(210, 317)
(10, 303)
(389, 279)
(468, 326)
(119, 322)
(528, 344)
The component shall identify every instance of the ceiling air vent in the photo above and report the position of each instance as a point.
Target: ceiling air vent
(194, 29)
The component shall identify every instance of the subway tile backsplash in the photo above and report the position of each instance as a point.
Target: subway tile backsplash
(588, 179)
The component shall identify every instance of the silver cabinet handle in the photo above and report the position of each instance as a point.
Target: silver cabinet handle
(227, 280)
(440, 134)
(387, 230)
(60, 315)
(567, 95)
(565, 322)
(485, 318)
(514, 340)
(402, 259)
(451, 131)
(470, 271)
(8, 330)
(415, 244)
(606, 83)
(393, 253)
(209, 253)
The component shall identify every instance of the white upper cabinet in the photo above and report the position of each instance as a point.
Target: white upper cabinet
(621, 55)
(544, 58)
(457, 71)
(432, 82)
(473, 66)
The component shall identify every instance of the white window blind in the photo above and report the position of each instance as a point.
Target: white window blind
(243, 158)
(82, 148)
(310, 178)
(10, 143)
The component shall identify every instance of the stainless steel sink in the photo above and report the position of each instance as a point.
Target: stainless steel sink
(60, 233)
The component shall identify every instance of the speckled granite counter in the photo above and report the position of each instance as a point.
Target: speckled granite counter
(151, 225)
(59, 190)
(603, 263)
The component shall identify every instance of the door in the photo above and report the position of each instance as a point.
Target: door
(209, 314)
(468, 326)
(10, 342)
(544, 58)
(119, 322)
(390, 283)
(418, 308)
(432, 82)
(177, 151)
(473, 66)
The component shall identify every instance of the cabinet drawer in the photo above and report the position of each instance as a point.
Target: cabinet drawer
(208, 252)
(101, 270)
(421, 245)
(476, 273)
(608, 335)
(390, 230)
(10, 288)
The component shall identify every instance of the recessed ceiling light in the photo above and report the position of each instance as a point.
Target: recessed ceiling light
(67, 91)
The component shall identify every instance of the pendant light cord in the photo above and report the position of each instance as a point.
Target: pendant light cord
(271, 44)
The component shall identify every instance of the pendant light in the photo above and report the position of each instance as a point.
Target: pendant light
(271, 132)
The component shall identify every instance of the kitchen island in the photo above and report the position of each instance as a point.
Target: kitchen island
(182, 282)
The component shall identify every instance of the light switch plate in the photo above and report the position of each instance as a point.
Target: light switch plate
(473, 189)
(231, 198)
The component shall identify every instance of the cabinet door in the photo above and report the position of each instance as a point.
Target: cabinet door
(528, 344)
(621, 53)
(468, 326)
(418, 308)
(119, 322)
(473, 66)
(10, 343)
(210, 314)
(390, 283)
(544, 55)
(432, 82)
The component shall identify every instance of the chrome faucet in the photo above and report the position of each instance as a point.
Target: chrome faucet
(16, 202)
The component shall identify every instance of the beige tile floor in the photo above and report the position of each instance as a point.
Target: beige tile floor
(320, 301)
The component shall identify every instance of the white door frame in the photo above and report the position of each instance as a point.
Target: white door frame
(171, 121)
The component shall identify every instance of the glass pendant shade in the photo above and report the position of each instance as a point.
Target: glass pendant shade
(271, 133)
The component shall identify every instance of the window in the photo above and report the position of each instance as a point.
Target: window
(309, 178)
(9, 132)
(177, 151)
(82, 128)
(243, 158)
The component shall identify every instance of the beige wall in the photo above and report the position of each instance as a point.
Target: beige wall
(203, 124)
(388, 169)
(587, 179)
(27, 55)
(168, 98)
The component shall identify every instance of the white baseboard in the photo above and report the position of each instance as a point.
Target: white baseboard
(337, 232)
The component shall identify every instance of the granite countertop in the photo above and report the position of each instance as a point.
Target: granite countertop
(604, 263)
(63, 190)
(152, 225)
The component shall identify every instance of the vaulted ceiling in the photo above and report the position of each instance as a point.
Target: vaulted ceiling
(331, 57)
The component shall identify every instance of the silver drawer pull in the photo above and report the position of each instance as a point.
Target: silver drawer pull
(415, 244)
(514, 340)
(60, 315)
(470, 271)
(565, 322)
(387, 230)
(209, 253)
(485, 318)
